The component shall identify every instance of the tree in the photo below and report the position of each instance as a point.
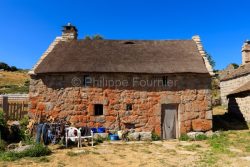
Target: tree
(235, 65)
(4, 66)
(87, 37)
(97, 36)
(210, 59)
(13, 68)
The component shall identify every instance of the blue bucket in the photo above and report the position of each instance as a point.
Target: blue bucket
(114, 137)
(101, 130)
(94, 130)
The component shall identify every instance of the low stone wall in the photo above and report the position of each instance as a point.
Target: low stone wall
(228, 86)
(54, 95)
(240, 105)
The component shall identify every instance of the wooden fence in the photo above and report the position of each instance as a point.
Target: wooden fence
(14, 110)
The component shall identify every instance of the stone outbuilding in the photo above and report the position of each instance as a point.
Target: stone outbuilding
(161, 86)
(235, 87)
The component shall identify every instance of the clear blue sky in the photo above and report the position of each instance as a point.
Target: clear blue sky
(28, 27)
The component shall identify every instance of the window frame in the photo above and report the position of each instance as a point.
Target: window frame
(98, 109)
(129, 107)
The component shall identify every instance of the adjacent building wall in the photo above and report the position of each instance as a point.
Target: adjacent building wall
(228, 86)
(239, 105)
(62, 97)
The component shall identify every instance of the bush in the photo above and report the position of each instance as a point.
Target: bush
(2, 118)
(36, 150)
(155, 137)
(201, 137)
(2, 145)
(184, 137)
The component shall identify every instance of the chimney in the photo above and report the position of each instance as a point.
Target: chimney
(69, 32)
(246, 52)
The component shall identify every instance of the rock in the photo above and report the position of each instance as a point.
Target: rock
(209, 133)
(135, 136)
(209, 115)
(201, 125)
(12, 146)
(193, 135)
(100, 119)
(22, 148)
(145, 136)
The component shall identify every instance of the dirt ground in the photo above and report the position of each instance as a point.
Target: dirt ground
(236, 152)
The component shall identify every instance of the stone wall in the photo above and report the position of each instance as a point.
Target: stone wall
(64, 97)
(239, 105)
(230, 85)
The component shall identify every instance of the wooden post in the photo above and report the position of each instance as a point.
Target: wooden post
(5, 106)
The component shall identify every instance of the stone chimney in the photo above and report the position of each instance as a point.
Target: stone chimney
(69, 32)
(246, 52)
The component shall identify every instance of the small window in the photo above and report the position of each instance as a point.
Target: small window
(98, 109)
(129, 107)
(87, 80)
(165, 80)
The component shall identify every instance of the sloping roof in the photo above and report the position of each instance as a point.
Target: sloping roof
(242, 70)
(135, 56)
(244, 88)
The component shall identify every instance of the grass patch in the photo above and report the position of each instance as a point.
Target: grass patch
(37, 150)
(43, 160)
(220, 143)
(248, 148)
(147, 151)
(209, 159)
(192, 147)
(73, 154)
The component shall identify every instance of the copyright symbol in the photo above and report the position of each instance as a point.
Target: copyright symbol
(76, 82)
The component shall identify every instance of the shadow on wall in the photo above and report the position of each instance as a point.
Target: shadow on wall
(232, 120)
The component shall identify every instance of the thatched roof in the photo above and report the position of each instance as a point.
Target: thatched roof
(244, 88)
(242, 70)
(136, 56)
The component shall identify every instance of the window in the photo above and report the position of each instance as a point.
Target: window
(87, 80)
(129, 107)
(98, 109)
(165, 80)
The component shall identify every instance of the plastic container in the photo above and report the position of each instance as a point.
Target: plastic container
(94, 130)
(101, 130)
(114, 137)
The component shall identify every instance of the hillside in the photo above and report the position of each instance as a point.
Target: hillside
(14, 82)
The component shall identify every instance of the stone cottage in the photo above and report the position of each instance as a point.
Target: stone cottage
(235, 87)
(161, 86)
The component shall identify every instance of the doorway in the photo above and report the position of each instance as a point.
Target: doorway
(169, 121)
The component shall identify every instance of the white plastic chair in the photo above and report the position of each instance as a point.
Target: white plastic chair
(86, 137)
(70, 135)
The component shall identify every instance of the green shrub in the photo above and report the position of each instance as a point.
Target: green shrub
(24, 122)
(37, 150)
(2, 145)
(184, 137)
(155, 137)
(2, 118)
(99, 139)
(201, 137)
